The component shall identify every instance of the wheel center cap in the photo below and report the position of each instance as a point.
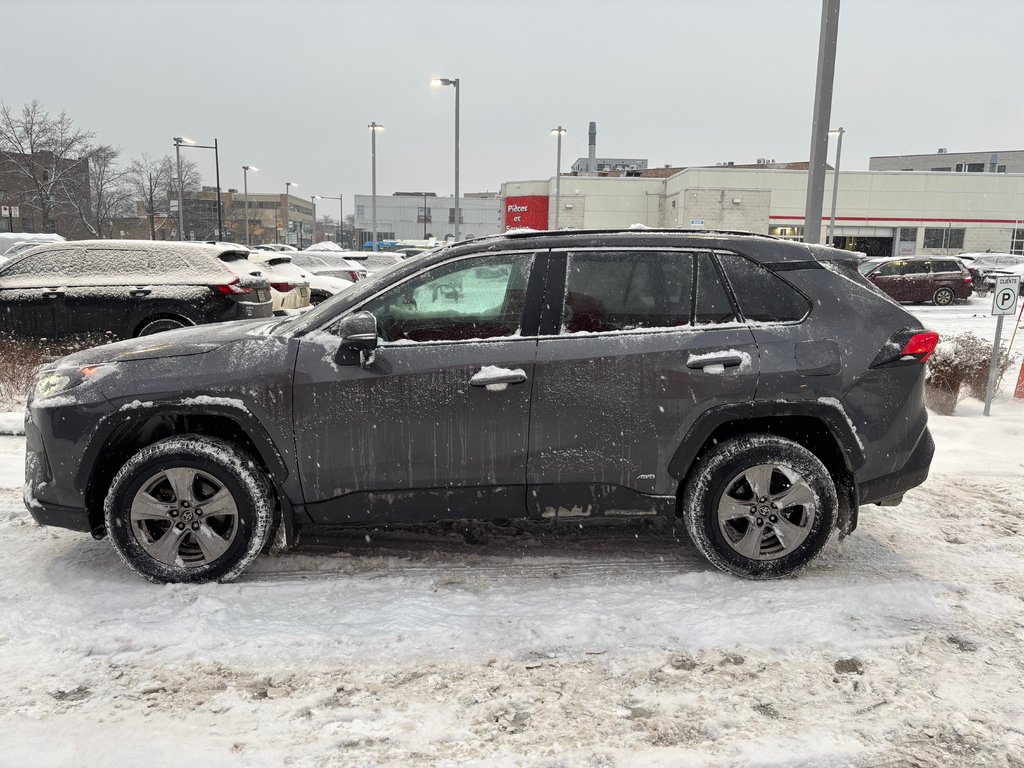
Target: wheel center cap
(765, 510)
(187, 516)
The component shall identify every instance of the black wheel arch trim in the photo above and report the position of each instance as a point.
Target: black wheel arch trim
(240, 415)
(833, 418)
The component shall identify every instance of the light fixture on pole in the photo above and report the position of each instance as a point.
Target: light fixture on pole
(178, 141)
(245, 189)
(284, 228)
(374, 128)
(438, 82)
(838, 133)
(340, 210)
(558, 173)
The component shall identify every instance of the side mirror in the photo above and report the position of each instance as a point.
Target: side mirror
(358, 331)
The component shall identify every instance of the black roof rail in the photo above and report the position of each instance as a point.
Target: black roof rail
(521, 233)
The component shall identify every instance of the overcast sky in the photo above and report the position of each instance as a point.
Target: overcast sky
(291, 86)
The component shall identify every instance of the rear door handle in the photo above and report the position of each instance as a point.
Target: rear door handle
(140, 291)
(726, 360)
(52, 294)
(490, 375)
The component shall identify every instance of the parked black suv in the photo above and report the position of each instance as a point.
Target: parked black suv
(126, 288)
(760, 389)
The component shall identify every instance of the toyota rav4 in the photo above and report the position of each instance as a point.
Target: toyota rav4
(759, 389)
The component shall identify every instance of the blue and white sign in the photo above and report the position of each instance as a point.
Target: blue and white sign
(696, 222)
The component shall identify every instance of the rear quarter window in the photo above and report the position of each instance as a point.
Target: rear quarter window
(763, 297)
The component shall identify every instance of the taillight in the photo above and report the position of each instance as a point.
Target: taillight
(282, 287)
(921, 345)
(968, 279)
(353, 276)
(911, 346)
(234, 287)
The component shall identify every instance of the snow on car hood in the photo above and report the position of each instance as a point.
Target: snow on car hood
(195, 340)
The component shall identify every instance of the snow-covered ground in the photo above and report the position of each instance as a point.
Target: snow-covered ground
(901, 646)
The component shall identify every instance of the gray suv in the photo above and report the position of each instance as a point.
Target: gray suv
(759, 389)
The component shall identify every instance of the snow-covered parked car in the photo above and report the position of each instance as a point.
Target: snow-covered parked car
(288, 289)
(331, 265)
(320, 287)
(758, 391)
(126, 288)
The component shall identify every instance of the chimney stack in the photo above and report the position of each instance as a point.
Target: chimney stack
(593, 144)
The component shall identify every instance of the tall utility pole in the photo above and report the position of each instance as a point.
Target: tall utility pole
(284, 228)
(558, 173)
(245, 184)
(838, 133)
(820, 119)
(374, 127)
(152, 213)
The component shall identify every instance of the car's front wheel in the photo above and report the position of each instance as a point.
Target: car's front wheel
(760, 506)
(189, 509)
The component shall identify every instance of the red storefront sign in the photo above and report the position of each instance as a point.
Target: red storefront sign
(526, 211)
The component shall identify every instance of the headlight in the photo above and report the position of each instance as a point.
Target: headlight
(50, 383)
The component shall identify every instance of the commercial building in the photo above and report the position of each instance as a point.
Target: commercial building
(952, 162)
(879, 213)
(426, 216)
(269, 221)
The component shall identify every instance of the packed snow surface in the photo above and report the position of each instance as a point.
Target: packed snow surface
(479, 645)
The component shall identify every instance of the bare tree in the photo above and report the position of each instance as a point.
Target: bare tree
(108, 195)
(48, 152)
(153, 184)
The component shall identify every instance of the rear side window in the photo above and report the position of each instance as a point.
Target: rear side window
(763, 296)
(626, 290)
(117, 265)
(945, 266)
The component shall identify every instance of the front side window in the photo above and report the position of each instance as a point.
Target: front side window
(626, 290)
(41, 268)
(477, 298)
(891, 269)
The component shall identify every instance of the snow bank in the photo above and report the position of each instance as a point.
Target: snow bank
(12, 422)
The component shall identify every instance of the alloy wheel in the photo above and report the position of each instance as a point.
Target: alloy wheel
(766, 511)
(183, 516)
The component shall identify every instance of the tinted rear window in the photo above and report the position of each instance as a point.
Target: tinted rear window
(763, 297)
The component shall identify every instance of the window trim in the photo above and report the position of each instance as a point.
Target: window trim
(537, 255)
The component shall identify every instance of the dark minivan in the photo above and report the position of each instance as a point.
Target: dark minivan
(941, 280)
(126, 288)
(757, 390)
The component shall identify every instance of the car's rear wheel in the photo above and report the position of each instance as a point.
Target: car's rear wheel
(943, 297)
(159, 325)
(189, 509)
(760, 506)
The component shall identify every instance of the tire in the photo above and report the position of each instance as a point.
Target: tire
(163, 488)
(318, 297)
(159, 325)
(943, 297)
(718, 488)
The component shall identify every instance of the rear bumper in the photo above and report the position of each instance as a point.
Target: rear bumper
(912, 474)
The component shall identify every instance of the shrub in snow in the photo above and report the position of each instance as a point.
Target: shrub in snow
(959, 369)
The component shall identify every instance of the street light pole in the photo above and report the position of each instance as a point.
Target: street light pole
(835, 185)
(284, 229)
(313, 199)
(437, 82)
(220, 208)
(558, 174)
(245, 184)
(178, 141)
(374, 127)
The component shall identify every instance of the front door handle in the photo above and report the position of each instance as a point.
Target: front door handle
(491, 375)
(140, 291)
(725, 359)
(52, 294)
